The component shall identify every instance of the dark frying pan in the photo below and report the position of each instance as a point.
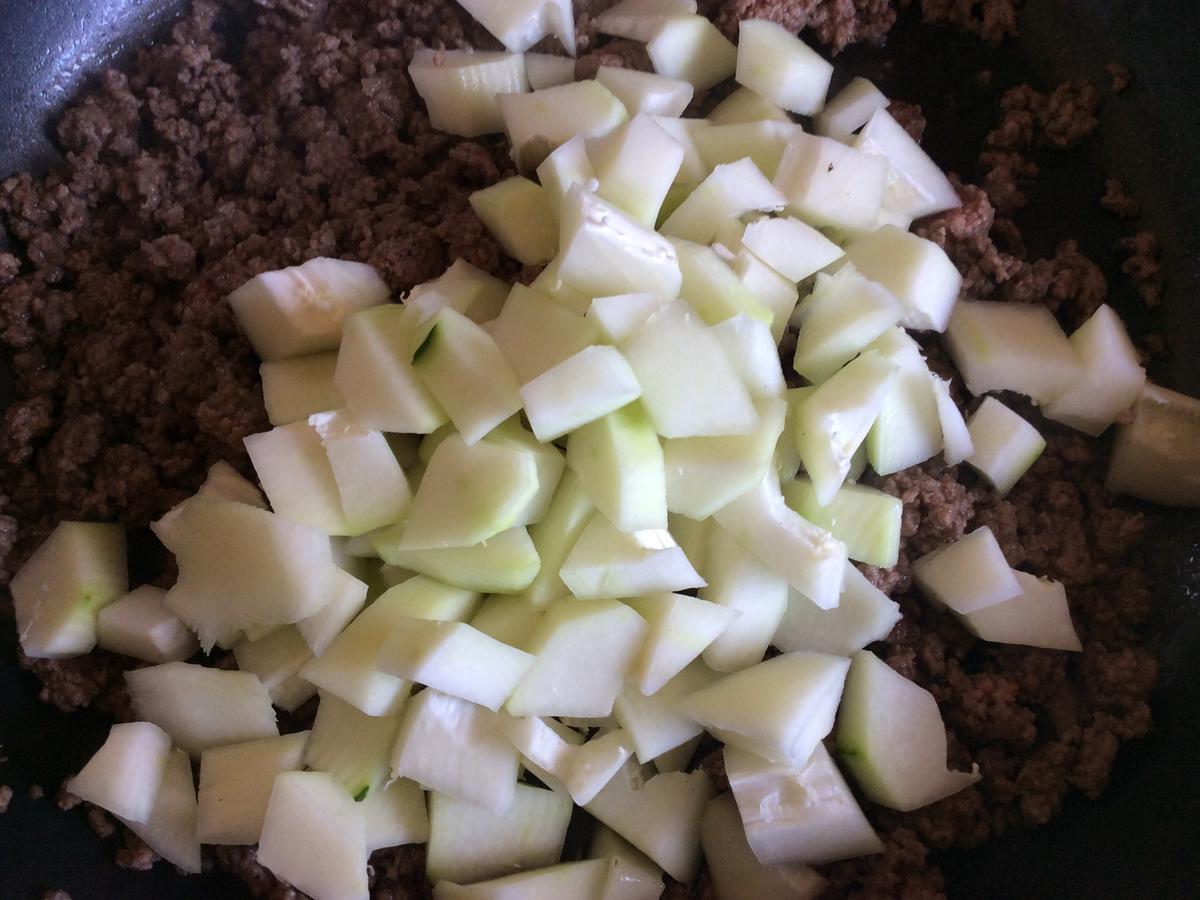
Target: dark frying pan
(1140, 839)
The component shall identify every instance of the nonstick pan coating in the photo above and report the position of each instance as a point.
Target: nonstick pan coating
(1140, 839)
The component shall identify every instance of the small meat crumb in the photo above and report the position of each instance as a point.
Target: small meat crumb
(136, 854)
(909, 116)
(992, 20)
(6, 794)
(66, 800)
(36, 792)
(1119, 76)
(56, 895)
(1116, 201)
(100, 822)
(1141, 267)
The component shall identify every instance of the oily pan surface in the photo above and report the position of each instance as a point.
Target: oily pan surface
(215, 157)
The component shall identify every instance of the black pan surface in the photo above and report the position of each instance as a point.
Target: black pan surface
(1140, 839)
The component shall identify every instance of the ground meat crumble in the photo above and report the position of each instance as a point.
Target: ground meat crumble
(208, 162)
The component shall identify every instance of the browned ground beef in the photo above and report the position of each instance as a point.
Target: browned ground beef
(201, 165)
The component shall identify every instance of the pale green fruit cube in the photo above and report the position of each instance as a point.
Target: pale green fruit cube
(59, 591)
(744, 105)
(638, 20)
(637, 163)
(351, 746)
(139, 625)
(779, 709)
(834, 420)
(371, 486)
(867, 520)
(509, 619)
(1110, 375)
(582, 651)
(469, 494)
(314, 838)
(296, 476)
(748, 344)
(280, 571)
(581, 769)
(275, 658)
(456, 659)
(827, 183)
(375, 374)
(646, 92)
(842, 316)
(917, 272)
(680, 628)
(457, 748)
(504, 564)
(864, 614)
(587, 387)
(891, 737)
(125, 774)
(693, 169)
(1005, 445)
(346, 598)
(538, 122)
(1154, 456)
(224, 482)
(546, 70)
(585, 880)
(689, 387)
(549, 460)
(656, 724)
(201, 707)
(849, 110)
(550, 282)
(464, 369)
(956, 437)
(460, 88)
(520, 215)
(602, 251)
(300, 310)
(774, 292)
(809, 558)
(607, 563)
(798, 815)
(468, 844)
(713, 289)
(731, 190)
(738, 580)
(763, 143)
(659, 814)
(293, 389)
(736, 873)
(968, 575)
(790, 247)
(916, 186)
(634, 876)
(553, 538)
(692, 49)
(619, 463)
(396, 816)
(236, 782)
(171, 829)
(1037, 617)
(535, 333)
(780, 67)
(908, 429)
(464, 287)
(347, 667)
(704, 474)
(519, 24)
(619, 316)
(1011, 347)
